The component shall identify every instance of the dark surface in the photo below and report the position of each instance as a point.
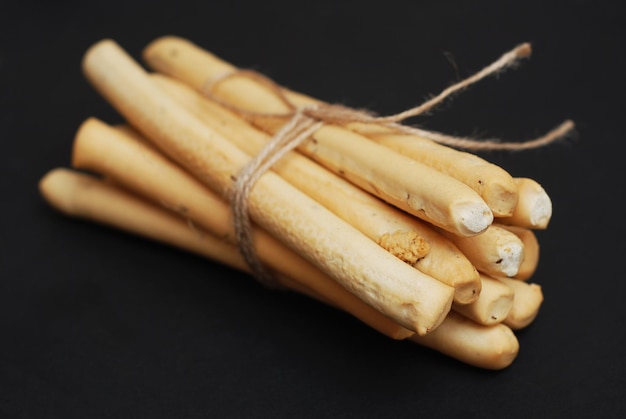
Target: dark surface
(98, 323)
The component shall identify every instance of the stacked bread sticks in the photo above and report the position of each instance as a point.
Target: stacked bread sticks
(411, 236)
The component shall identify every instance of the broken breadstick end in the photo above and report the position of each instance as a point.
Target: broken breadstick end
(526, 304)
(492, 306)
(534, 208)
(409, 246)
(474, 219)
(511, 255)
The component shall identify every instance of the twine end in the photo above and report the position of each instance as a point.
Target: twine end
(566, 128)
(523, 50)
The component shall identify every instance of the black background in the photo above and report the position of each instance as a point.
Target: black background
(95, 323)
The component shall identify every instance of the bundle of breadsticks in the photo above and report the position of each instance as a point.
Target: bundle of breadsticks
(416, 238)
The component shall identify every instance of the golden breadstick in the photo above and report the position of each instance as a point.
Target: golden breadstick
(492, 306)
(380, 221)
(414, 187)
(534, 206)
(122, 155)
(414, 300)
(490, 347)
(497, 251)
(526, 304)
(494, 184)
(531, 251)
(84, 196)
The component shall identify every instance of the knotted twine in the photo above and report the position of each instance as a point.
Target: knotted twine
(304, 121)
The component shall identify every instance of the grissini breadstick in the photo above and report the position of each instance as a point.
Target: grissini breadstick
(414, 187)
(380, 221)
(414, 300)
(526, 304)
(490, 347)
(494, 184)
(497, 251)
(84, 196)
(534, 206)
(124, 156)
(492, 306)
(531, 251)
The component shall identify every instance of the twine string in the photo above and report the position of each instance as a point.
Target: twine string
(286, 139)
(303, 122)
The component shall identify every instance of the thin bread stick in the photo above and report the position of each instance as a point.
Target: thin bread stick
(494, 184)
(414, 300)
(380, 221)
(416, 188)
(492, 306)
(534, 206)
(497, 251)
(123, 155)
(88, 197)
(531, 251)
(489, 347)
(84, 196)
(526, 304)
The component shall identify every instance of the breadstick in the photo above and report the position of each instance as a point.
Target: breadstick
(534, 206)
(526, 304)
(492, 306)
(494, 184)
(380, 221)
(497, 251)
(84, 196)
(414, 300)
(411, 186)
(531, 251)
(490, 347)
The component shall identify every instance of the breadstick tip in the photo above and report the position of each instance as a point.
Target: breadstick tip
(168, 43)
(57, 187)
(534, 208)
(523, 50)
(541, 210)
(105, 42)
(510, 257)
(168, 39)
(474, 218)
